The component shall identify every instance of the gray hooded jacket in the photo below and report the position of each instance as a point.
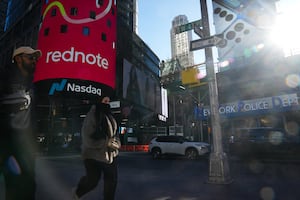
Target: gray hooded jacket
(99, 149)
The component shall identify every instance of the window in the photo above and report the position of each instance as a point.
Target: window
(53, 12)
(86, 31)
(113, 11)
(170, 139)
(103, 37)
(100, 2)
(93, 15)
(74, 11)
(46, 31)
(108, 23)
(63, 28)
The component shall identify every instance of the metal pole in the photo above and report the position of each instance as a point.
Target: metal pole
(174, 114)
(218, 162)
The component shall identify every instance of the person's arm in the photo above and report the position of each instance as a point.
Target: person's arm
(117, 139)
(89, 129)
(88, 126)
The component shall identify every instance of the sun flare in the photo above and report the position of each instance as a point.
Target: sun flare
(286, 31)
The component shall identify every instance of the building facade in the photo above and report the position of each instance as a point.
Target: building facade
(128, 14)
(3, 13)
(18, 28)
(259, 87)
(180, 43)
(257, 96)
(60, 115)
(138, 85)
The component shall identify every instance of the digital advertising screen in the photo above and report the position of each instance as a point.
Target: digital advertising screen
(242, 24)
(140, 87)
(233, 4)
(78, 44)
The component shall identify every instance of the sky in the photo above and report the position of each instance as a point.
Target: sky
(155, 21)
(287, 31)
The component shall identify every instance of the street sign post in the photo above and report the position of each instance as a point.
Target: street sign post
(188, 26)
(199, 31)
(219, 172)
(206, 42)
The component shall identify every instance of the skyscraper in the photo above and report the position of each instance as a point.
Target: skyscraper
(3, 12)
(180, 43)
(127, 13)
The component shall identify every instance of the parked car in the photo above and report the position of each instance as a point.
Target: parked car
(264, 142)
(177, 145)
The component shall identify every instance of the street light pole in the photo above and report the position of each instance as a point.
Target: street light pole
(218, 161)
(174, 114)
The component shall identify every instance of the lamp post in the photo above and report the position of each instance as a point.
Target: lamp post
(218, 161)
(174, 114)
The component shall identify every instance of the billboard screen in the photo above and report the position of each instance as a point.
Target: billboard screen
(233, 4)
(244, 25)
(78, 44)
(164, 102)
(140, 87)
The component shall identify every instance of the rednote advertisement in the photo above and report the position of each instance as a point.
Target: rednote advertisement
(78, 43)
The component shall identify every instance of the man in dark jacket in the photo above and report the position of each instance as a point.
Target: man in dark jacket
(17, 141)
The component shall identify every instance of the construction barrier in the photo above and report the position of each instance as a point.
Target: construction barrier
(135, 148)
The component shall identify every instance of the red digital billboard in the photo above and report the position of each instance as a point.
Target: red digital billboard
(78, 42)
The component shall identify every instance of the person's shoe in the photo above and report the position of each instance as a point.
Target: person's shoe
(74, 195)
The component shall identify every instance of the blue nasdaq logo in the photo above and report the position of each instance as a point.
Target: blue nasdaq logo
(58, 86)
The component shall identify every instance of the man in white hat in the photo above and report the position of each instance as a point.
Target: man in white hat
(25, 58)
(17, 138)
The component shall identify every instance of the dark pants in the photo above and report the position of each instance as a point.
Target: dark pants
(94, 170)
(17, 163)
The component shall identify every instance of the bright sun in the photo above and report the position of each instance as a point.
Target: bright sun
(286, 31)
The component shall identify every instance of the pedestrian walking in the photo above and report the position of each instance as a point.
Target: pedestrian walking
(17, 136)
(100, 145)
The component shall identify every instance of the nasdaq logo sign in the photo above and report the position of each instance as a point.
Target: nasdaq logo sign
(58, 87)
(64, 85)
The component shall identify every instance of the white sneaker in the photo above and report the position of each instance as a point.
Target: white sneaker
(74, 195)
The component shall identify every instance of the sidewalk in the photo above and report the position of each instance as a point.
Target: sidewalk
(251, 180)
(141, 178)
